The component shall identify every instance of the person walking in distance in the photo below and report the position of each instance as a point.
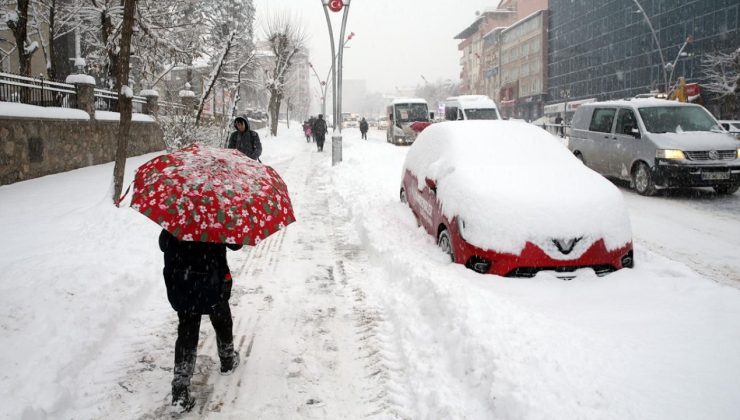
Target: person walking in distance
(363, 128)
(307, 131)
(198, 283)
(245, 140)
(319, 131)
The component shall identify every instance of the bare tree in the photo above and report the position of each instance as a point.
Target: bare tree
(723, 73)
(17, 21)
(285, 37)
(124, 96)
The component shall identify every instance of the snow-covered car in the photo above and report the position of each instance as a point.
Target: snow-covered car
(507, 198)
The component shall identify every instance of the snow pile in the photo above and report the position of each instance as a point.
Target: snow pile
(16, 110)
(512, 182)
(149, 92)
(127, 91)
(84, 79)
(187, 94)
(115, 116)
(80, 62)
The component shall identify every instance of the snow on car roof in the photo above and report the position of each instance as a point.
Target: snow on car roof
(409, 101)
(512, 182)
(640, 102)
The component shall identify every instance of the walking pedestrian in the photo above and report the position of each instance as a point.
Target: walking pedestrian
(307, 131)
(245, 140)
(363, 128)
(560, 129)
(319, 131)
(311, 121)
(198, 283)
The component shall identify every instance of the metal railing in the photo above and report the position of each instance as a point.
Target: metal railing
(36, 91)
(106, 100)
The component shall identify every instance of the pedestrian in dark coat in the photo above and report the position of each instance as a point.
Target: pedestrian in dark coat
(363, 128)
(311, 122)
(245, 140)
(560, 129)
(198, 283)
(319, 130)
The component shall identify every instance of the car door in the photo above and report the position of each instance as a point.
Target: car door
(600, 135)
(626, 144)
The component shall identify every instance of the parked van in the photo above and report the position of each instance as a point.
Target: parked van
(471, 107)
(402, 114)
(655, 143)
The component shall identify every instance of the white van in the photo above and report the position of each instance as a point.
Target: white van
(471, 107)
(655, 143)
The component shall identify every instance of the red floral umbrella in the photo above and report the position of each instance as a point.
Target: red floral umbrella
(208, 194)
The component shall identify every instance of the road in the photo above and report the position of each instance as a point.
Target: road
(693, 226)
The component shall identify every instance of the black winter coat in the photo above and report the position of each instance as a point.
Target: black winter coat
(319, 127)
(247, 142)
(196, 274)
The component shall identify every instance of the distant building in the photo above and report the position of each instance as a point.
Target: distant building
(503, 56)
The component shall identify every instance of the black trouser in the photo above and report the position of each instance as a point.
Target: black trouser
(320, 142)
(186, 346)
(364, 135)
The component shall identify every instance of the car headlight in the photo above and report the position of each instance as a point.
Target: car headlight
(737, 155)
(669, 154)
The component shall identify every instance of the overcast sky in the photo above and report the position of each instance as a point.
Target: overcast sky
(396, 41)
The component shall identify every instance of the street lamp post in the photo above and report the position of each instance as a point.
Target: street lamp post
(657, 43)
(336, 138)
(322, 83)
(672, 66)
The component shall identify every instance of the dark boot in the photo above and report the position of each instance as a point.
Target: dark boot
(229, 363)
(182, 402)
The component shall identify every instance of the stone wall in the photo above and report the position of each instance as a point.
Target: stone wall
(30, 148)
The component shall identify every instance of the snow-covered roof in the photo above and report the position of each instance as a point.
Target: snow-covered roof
(408, 101)
(512, 182)
(471, 101)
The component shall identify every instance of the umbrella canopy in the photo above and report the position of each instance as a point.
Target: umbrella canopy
(208, 194)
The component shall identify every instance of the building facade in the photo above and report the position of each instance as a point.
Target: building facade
(606, 49)
(499, 46)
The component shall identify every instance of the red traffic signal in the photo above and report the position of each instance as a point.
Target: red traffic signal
(336, 5)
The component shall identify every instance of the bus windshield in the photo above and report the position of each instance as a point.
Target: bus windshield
(481, 114)
(411, 112)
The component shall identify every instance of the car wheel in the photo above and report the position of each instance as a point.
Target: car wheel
(579, 156)
(726, 189)
(642, 179)
(445, 243)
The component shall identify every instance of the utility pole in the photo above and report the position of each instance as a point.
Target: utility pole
(336, 138)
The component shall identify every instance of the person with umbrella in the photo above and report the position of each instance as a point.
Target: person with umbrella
(198, 283)
(206, 200)
(245, 140)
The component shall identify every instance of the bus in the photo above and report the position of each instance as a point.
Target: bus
(402, 114)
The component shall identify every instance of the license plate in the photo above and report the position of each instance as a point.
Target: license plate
(715, 175)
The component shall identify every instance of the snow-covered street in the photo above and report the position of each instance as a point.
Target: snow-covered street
(353, 312)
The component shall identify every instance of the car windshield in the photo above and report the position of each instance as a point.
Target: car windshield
(676, 119)
(411, 112)
(481, 114)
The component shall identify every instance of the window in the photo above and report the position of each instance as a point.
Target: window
(625, 122)
(602, 120)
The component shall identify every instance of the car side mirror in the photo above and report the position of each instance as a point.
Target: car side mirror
(431, 184)
(635, 132)
(431, 115)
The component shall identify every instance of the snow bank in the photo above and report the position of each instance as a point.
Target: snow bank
(115, 116)
(16, 110)
(512, 182)
(149, 92)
